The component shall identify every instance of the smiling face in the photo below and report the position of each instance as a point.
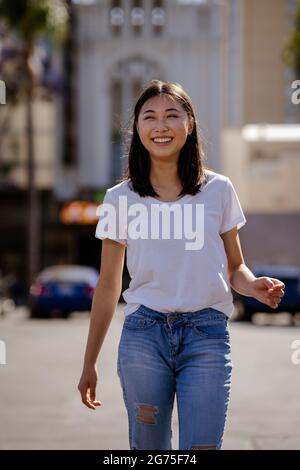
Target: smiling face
(163, 126)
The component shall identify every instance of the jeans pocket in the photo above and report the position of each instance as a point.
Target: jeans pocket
(212, 330)
(136, 321)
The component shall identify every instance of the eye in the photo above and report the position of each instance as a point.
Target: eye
(151, 117)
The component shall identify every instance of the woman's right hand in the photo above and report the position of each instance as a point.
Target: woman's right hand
(87, 387)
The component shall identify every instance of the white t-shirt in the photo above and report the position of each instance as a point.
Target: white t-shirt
(165, 274)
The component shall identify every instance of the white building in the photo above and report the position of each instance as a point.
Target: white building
(227, 54)
(123, 44)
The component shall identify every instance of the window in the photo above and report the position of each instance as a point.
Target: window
(136, 88)
(116, 110)
(157, 16)
(116, 17)
(137, 16)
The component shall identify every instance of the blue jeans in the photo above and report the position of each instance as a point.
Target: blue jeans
(189, 354)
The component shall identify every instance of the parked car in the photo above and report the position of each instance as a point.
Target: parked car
(290, 302)
(62, 289)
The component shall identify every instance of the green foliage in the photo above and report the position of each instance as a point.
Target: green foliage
(30, 19)
(99, 196)
(291, 52)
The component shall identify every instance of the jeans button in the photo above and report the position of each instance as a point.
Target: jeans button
(172, 317)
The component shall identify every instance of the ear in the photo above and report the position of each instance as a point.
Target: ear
(191, 125)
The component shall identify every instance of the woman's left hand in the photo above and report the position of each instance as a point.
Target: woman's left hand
(268, 290)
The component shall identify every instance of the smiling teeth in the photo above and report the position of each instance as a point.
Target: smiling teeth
(162, 140)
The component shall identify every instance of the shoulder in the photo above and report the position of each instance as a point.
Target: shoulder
(216, 180)
(120, 189)
(215, 175)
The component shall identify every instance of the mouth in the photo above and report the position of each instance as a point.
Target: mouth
(162, 141)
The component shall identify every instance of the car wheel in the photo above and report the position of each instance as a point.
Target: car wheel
(65, 314)
(247, 315)
(35, 312)
(242, 313)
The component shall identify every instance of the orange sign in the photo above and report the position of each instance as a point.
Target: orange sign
(79, 212)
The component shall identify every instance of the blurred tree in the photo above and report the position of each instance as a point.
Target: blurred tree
(291, 51)
(11, 73)
(30, 20)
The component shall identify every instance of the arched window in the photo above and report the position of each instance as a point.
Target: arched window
(126, 80)
(116, 113)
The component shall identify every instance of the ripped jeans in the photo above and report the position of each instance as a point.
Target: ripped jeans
(189, 354)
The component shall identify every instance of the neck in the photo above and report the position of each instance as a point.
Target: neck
(165, 177)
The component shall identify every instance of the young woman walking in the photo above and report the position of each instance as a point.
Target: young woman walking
(179, 221)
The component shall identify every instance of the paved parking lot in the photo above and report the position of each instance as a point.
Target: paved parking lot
(40, 406)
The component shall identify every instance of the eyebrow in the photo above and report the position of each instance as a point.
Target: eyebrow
(169, 109)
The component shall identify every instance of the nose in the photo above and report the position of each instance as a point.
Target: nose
(161, 124)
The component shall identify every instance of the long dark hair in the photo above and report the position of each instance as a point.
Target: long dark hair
(191, 171)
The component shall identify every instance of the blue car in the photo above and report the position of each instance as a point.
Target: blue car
(62, 289)
(290, 302)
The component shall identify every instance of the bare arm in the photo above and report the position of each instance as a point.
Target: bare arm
(265, 289)
(104, 303)
(239, 274)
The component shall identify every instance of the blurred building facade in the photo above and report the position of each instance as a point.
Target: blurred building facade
(227, 55)
(261, 138)
(123, 45)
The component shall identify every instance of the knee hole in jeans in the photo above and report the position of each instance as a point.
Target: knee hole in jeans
(203, 447)
(146, 414)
